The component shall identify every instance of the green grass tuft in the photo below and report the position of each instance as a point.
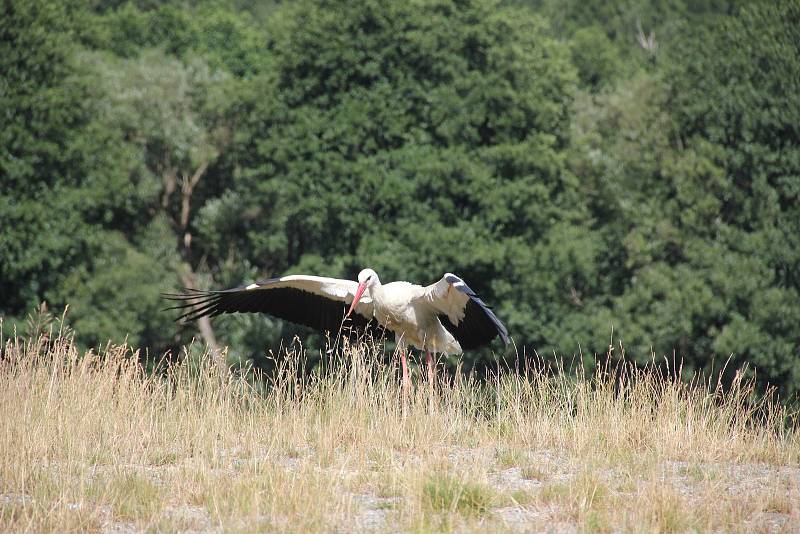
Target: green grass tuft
(445, 493)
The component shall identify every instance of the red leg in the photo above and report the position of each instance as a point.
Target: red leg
(429, 364)
(406, 379)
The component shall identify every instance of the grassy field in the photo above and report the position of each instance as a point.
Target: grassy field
(92, 443)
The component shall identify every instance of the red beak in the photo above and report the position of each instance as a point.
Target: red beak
(360, 291)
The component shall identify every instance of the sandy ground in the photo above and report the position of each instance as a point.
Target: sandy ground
(378, 513)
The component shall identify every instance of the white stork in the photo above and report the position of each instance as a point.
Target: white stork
(446, 317)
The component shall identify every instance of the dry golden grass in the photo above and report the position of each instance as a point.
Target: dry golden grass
(93, 443)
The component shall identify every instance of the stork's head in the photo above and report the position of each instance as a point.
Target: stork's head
(367, 279)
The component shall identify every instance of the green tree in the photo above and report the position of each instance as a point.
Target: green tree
(693, 173)
(742, 109)
(583, 165)
(105, 156)
(166, 116)
(416, 139)
(61, 190)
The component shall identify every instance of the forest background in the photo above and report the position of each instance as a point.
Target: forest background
(586, 166)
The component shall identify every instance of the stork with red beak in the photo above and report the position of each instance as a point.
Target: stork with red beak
(445, 317)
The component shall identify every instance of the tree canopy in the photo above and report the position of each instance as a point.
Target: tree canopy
(586, 167)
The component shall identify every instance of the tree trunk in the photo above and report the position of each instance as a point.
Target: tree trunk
(185, 240)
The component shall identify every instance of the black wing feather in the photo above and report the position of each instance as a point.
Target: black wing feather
(479, 326)
(288, 303)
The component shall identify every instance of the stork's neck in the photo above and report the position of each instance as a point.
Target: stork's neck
(376, 290)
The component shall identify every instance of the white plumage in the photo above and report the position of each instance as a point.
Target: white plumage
(445, 317)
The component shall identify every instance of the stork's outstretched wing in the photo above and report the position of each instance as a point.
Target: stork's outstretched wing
(463, 313)
(314, 301)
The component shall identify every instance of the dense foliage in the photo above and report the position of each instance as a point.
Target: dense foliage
(585, 166)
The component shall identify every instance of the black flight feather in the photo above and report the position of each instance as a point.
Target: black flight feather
(288, 303)
(479, 326)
